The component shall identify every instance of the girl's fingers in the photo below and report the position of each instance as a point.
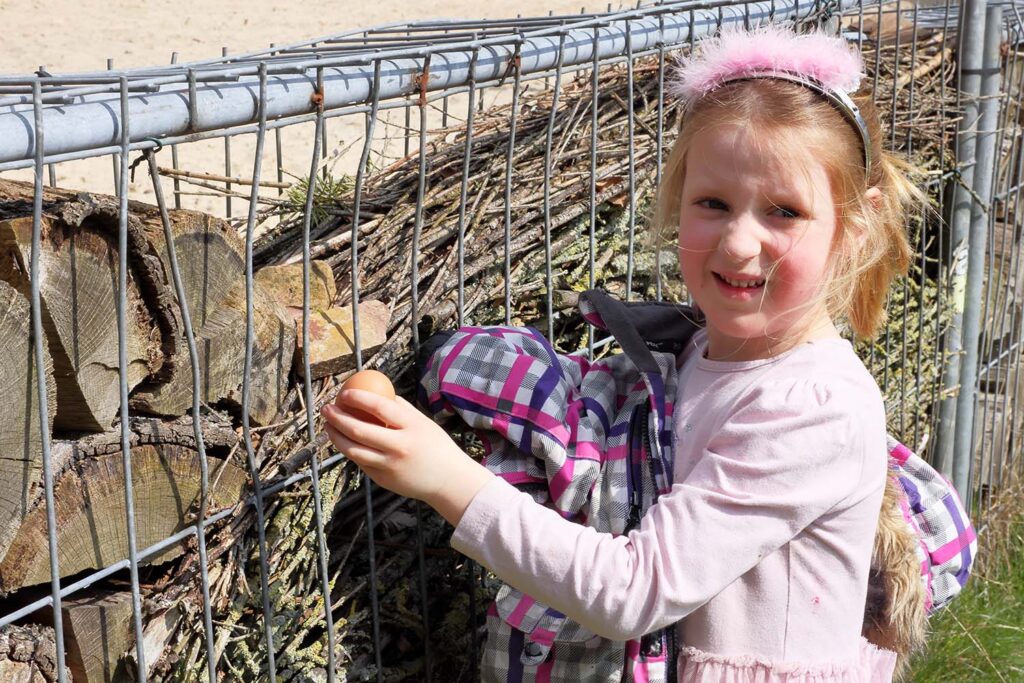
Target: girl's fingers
(360, 431)
(394, 413)
(356, 452)
(406, 405)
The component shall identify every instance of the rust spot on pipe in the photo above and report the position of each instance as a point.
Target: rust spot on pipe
(421, 82)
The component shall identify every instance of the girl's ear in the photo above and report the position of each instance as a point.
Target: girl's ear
(874, 198)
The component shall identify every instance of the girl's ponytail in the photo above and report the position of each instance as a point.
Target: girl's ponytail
(884, 253)
(873, 248)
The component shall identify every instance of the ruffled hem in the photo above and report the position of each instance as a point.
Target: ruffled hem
(872, 665)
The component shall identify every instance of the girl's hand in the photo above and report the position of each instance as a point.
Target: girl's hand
(412, 456)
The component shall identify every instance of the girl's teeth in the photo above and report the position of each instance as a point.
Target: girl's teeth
(743, 283)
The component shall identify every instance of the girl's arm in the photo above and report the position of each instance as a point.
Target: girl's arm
(756, 486)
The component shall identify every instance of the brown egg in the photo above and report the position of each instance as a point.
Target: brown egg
(369, 380)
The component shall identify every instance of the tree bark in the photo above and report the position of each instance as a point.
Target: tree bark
(28, 655)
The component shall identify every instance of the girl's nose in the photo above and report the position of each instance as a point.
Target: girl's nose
(741, 239)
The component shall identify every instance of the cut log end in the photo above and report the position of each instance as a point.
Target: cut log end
(20, 434)
(332, 338)
(98, 631)
(79, 294)
(91, 520)
(221, 346)
(284, 283)
(79, 276)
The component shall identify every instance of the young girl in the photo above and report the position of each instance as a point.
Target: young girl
(772, 455)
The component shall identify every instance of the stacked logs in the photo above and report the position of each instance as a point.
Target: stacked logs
(78, 276)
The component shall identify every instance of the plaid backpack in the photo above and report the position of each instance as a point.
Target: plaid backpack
(606, 465)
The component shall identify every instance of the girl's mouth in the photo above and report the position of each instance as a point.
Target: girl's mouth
(741, 288)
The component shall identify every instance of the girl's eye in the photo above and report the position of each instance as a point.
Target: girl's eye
(787, 212)
(712, 204)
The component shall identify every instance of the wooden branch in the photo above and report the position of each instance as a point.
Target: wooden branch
(923, 69)
(178, 173)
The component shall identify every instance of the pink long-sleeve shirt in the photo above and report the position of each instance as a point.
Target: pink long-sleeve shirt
(761, 549)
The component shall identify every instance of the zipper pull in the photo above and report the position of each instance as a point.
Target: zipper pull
(650, 645)
(633, 520)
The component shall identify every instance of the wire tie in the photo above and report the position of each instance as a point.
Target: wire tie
(144, 154)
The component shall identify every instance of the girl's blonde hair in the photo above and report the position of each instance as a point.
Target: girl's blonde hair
(870, 248)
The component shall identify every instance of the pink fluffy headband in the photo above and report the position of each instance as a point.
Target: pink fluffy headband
(824, 63)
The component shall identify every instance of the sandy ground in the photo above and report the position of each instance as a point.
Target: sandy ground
(81, 35)
(69, 36)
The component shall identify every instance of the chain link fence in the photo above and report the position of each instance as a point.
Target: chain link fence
(169, 332)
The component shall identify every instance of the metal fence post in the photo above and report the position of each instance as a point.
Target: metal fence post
(972, 45)
(978, 240)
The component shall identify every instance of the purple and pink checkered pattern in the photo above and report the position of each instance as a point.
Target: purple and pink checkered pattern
(947, 542)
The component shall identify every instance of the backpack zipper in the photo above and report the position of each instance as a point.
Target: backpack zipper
(634, 483)
(648, 445)
(653, 644)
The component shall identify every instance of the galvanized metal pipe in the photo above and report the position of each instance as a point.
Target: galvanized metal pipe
(978, 239)
(971, 59)
(95, 123)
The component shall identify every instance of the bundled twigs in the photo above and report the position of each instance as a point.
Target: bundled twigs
(916, 96)
(389, 208)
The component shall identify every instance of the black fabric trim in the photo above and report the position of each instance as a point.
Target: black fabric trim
(642, 326)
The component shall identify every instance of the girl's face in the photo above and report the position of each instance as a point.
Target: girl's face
(755, 234)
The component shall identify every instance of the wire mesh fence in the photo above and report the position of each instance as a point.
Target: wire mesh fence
(171, 331)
